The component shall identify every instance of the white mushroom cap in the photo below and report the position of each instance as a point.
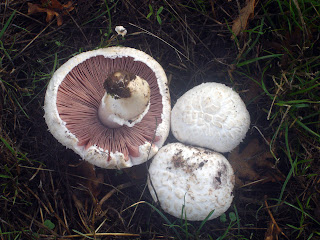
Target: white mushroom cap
(210, 115)
(121, 30)
(73, 97)
(197, 178)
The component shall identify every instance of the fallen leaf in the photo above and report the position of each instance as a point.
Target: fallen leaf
(89, 178)
(253, 92)
(137, 171)
(51, 8)
(241, 22)
(253, 164)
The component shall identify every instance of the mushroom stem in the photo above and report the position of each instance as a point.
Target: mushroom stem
(127, 99)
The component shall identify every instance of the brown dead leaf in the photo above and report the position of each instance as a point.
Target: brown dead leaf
(51, 8)
(241, 22)
(253, 92)
(89, 178)
(253, 164)
(137, 172)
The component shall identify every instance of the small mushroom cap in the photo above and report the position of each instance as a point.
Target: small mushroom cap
(210, 115)
(121, 30)
(199, 179)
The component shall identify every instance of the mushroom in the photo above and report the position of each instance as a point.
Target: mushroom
(121, 30)
(191, 179)
(111, 106)
(210, 115)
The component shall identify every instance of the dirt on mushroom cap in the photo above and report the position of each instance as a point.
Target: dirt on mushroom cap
(196, 178)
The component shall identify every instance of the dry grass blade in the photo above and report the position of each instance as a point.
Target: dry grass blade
(273, 230)
(45, 28)
(39, 224)
(153, 35)
(116, 189)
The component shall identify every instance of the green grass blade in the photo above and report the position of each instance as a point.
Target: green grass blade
(8, 146)
(306, 128)
(7, 24)
(21, 108)
(302, 211)
(4, 176)
(238, 218)
(304, 90)
(258, 59)
(204, 222)
(286, 181)
(81, 234)
(256, 38)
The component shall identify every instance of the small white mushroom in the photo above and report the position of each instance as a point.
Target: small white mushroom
(121, 30)
(210, 115)
(198, 179)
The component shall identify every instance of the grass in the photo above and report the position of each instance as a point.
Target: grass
(44, 195)
(294, 100)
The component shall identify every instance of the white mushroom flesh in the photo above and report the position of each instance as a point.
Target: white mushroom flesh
(193, 179)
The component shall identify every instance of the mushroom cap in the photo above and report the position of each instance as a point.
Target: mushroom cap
(76, 88)
(210, 115)
(199, 179)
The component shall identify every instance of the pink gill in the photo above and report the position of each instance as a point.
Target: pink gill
(79, 97)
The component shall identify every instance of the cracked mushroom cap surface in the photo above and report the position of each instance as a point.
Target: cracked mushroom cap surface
(73, 97)
(200, 179)
(210, 115)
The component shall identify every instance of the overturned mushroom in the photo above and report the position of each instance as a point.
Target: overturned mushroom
(191, 179)
(111, 106)
(210, 115)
